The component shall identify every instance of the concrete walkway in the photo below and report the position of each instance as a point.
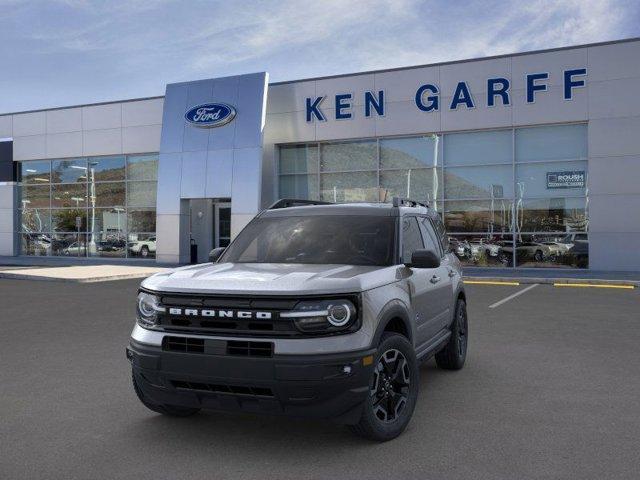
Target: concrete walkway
(79, 273)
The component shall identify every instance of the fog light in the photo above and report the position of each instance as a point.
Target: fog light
(346, 369)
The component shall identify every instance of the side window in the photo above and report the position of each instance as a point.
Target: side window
(430, 239)
(442, 234)
(411, 238)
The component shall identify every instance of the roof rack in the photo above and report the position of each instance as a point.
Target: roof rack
(407, 202)
(295, 202)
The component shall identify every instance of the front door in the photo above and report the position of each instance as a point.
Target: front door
(222, 225)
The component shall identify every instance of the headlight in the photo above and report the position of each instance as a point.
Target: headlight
(148, 308)
(324, 316)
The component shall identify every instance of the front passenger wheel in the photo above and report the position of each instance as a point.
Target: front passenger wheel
(393, 390)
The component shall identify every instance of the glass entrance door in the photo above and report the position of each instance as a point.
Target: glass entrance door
(222, 225)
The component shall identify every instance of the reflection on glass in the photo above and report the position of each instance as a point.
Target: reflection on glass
(69, 171)
(558, 142)
(413, 152)
(479, 182)
(36, 244)
(298, 159)
(299, 186)
(69, 245)
(478, 148)
(551, 215)
(143, 220)
(349, 187)
(105, 244)
(35, 220)
(107, 169)
(339, 157)
(141, 194)
(35, 196)
(142, 245)
(541, 250)
(35, 171)
(65, 220)
(109, 194)
(142, 167)
(490, 217)
(483, 250)
(546, 179)
(69, 195)
(419, 184)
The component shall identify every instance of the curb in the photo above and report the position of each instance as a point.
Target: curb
(553, 281)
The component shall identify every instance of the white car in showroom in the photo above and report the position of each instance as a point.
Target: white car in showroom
(143, 248)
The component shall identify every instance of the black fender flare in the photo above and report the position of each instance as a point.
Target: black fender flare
(393, 309)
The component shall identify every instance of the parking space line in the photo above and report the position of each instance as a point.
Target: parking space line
(512, 296)
(488, 282)
(593, 285)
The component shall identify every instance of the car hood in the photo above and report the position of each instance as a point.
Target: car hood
(271, 279)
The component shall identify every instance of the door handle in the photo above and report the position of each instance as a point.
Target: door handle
(435, 279)
(452, 273)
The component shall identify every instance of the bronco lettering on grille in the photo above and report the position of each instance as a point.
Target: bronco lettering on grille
(240, 314)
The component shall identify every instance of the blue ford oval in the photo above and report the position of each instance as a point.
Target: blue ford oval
(210, 115)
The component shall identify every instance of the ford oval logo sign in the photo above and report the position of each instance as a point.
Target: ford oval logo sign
(210, 115)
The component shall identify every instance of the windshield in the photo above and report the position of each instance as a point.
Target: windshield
(339, 239)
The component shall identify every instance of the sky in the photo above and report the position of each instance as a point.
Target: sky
(69, 52)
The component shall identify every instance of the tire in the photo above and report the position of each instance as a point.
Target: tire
(144, 251)
(169, 410)
(392, 398)
(454, 354)
(538, 256)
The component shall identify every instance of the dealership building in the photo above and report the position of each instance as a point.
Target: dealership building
(532, 159)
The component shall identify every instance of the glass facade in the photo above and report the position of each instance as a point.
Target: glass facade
(95, 206)
(512, 197)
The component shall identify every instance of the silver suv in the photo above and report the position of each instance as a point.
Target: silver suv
(315, 310)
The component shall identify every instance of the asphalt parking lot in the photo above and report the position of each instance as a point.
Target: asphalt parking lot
(551, 390)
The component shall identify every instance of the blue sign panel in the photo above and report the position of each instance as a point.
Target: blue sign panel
(210, 115)
(569, 179)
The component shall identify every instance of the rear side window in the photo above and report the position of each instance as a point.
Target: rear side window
(411, 238)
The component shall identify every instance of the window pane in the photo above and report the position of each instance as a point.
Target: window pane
(109, 194)
(142, 167)
(35, 220)
(103, 244)
(107, 223)
(69, 245)
(419, 184)
(551, 179)
(483, 251)
(37, 244)
(479, 182)
(411, 238)
(562, 251)
(298, 159)
(35, 196)
(142, 220)
(559, 142)
(107, 168)
(478, 148)
(552, 215)
(65, 220)
(478, 216)
(299, 186)
(338, 157)
(141, 194)
(349, 187)
(35, 172)
(429, 236)
(69, 171)
(410, 152)
(69, 195)
(142, 245)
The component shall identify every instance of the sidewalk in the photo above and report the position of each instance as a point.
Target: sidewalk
(551, 276)
(79, 273)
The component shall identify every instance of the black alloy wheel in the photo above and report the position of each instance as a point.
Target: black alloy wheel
(391, 384)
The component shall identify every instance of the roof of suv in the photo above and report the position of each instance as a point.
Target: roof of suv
(372, 209)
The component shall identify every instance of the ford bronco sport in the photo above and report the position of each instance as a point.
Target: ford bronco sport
(316, 310)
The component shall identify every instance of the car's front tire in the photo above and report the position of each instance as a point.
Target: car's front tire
(170, 410)
(393, 390)
(454, 354)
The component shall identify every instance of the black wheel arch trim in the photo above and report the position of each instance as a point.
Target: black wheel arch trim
(392, 310)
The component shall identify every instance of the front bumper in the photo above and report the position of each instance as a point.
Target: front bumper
(317, 386)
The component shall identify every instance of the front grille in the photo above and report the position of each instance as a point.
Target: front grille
(183, 344)
(250, 349)
(220, 388)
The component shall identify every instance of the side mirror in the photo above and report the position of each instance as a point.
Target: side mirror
(424, 259)
(215, 254)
